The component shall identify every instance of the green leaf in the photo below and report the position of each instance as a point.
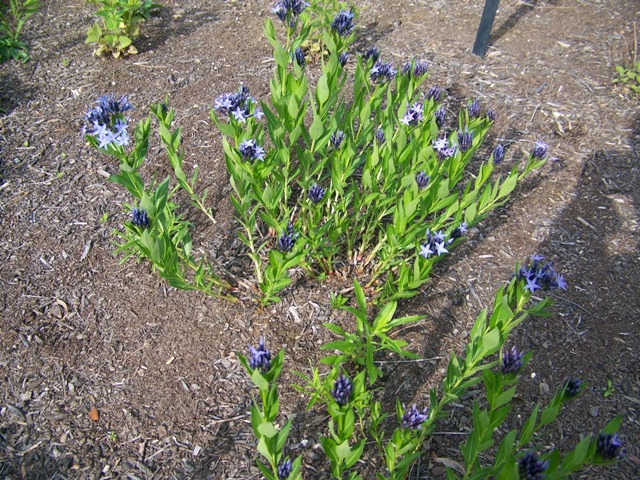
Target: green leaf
(267, 429)
(322, 90)
(94, 33)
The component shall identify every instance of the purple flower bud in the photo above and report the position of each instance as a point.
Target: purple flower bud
(511, 361)
(531, 468)
(498, 154)
(434, 93)
(422, 179)
(573, 386)
(539, 150)
(284, 470)
(316, 192)
(140, 218)
(414, 418)
(299, 57)
(287, 239)
(465, 140)
(419, 68)
(491, 115)
(260, 357)
(371, 53)
(343, 22)
(341, 392)
(474, 109)
(337, 138)
(342, 58)
(440, 115)
(380, 138)
(609, 446)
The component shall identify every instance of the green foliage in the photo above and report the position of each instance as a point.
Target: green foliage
(11, 22)
(628, 76)
(119, 25)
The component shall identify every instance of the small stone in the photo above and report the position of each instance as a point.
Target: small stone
(544, 389)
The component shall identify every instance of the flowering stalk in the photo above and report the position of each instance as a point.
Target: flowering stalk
(264, 372)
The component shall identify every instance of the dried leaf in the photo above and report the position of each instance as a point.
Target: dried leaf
(94, 415)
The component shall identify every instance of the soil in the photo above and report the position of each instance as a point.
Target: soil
(82, 331)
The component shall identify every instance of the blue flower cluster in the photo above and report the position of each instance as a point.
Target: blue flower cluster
(238, 104)
(342, 58)
(530, 467)
(443, 149)
(316, 193)
(380, 138)
(371, 53)
(106, 121)
(260, 357)
(434, 93)
(382, 72)
(287, 239)
(413, 115)
(440, 116)
(343, 22)
(284, 470)
(437, 243)
(298, 56)
(341, 391)
(289, 8)
(511, 361)
(140, 218)
(541, 275)
(251, 151)
(414, 418)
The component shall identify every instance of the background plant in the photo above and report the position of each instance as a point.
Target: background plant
(119, 25)
(12, 18)
(628, 73)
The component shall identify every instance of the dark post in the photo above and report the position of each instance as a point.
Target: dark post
(484, 30)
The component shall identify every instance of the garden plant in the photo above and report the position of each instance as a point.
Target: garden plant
(363, 172)
(12, 18)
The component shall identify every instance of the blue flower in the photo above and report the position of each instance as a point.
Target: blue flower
(609, 446)
(541, 275)
(343, 22)
(572, 387)
(458, 231)
(422, 179)
(443, 149)
(382, 72)
(425, 250)
(439, 116)
(298, 55)
(289, 8)
(473, 108)
(436, 243)
(434, 93)
(371, 53)
(251, 151)
(414, 418)
(498, 154)
(531, 468)
(337, 138)
(106, 121)
(287, 239)
(539, 150)
(260, 357)
(465, 140)
(140, 218)
(492, 115)
(380, 138)
(413, 115)
(511, 361)
(341, 392)
(316, 192)
(284, 470)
